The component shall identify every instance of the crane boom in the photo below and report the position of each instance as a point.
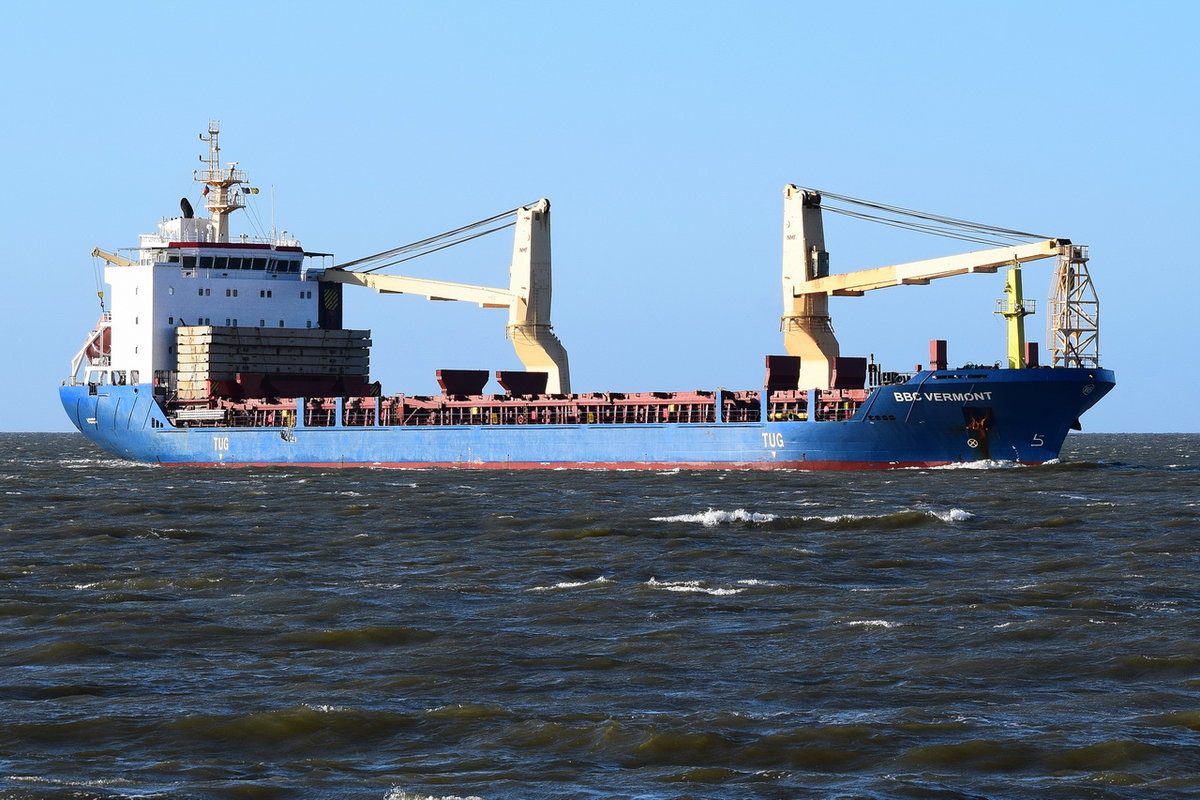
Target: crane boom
(485, 296)
(527, 297)
(112, 258)
(922, 272)
(807, 284)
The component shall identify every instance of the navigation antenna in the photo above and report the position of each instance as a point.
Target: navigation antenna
(220, 201)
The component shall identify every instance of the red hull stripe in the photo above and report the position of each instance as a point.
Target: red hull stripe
(606, 465)
(233, 246)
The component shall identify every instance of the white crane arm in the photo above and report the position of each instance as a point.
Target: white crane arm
(922, 272)
(527, 298)
(485, 296)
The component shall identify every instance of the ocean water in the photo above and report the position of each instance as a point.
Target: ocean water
(1027, 632)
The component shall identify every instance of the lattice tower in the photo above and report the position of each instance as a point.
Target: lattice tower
(1074, 319)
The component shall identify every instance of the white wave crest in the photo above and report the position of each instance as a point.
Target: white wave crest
(104, 463)
(985, 463)
(94, 782)
(571, 584)
(690, 586)
(714, 516)
(871, 623)
(950, 515)
(953, 515)
(835, 518)
(324, 708)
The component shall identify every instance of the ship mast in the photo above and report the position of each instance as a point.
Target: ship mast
(218, 182)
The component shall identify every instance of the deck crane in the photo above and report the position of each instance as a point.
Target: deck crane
(807, 284)
(112, 258)
(527, 297)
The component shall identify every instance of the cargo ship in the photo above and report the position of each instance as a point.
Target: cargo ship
(222, 350)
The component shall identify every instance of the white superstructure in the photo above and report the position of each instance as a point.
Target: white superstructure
(189, 273)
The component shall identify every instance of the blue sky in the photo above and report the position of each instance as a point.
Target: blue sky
(662, 133)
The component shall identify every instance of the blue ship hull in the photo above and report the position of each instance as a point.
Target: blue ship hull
(936, 418)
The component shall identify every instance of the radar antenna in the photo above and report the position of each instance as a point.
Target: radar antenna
(220, 200)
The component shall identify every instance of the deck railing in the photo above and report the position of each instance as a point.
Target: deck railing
(595, 409)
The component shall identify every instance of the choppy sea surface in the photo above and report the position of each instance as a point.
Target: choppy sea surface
(1027, 632)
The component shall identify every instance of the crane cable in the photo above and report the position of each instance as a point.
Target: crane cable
(916, 227)
(440, 247)
(431, 244)
(934, 224)
(98, 272)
